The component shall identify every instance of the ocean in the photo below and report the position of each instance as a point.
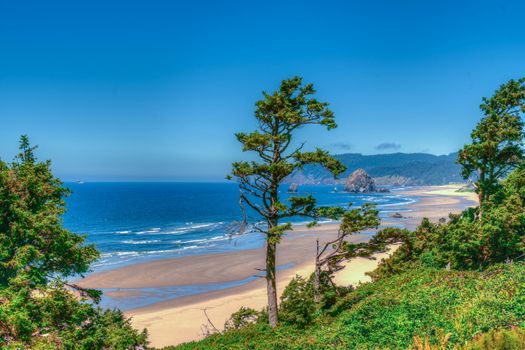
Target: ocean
(136, 222)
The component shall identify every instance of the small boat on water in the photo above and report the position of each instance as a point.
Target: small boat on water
(293, 188)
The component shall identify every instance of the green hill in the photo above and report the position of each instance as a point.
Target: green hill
(401, 168)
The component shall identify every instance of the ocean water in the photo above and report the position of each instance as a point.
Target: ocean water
(136, 222)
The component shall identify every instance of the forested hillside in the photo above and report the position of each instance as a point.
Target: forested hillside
(389, 169)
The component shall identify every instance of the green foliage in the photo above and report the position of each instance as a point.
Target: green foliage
(340, 249)
(33, 245)
(38, 309)
(243, 317)
(497, 140)
(297, 303)
(505, 339)
(52, 318)
(465, 242)
(299, 306)
(387, 314)
(279, 115)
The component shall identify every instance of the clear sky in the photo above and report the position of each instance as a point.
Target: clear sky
(154, 90)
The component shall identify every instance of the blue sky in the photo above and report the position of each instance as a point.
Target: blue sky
(154, 90)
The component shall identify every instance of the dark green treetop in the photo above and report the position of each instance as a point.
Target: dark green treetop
(279, 115)
(38, 309)
(34, 247)
(497, 140)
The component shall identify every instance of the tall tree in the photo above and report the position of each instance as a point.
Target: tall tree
(279, 116)
(497, 140)
(34, 247)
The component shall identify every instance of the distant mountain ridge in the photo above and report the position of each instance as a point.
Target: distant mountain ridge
(388, 169)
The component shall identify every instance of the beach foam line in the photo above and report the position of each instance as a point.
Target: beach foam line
(409, 201)
(151, 252)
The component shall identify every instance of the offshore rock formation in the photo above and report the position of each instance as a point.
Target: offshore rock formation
(359, 182)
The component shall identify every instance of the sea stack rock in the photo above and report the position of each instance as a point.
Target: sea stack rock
(359, 182)
(293, 188)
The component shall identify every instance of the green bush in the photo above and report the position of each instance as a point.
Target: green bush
(244, 317)
(297, 303)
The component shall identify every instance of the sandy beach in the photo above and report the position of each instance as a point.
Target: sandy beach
(182, 319)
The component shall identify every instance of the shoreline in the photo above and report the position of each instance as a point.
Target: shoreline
(296, 250)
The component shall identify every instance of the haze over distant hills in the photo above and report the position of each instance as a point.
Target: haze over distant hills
(389, 169)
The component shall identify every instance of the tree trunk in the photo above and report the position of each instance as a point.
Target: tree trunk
(271, 288)
(481, 193)
(317, 275)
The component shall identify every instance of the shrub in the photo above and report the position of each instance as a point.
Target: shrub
(512, 339)
(242, 318)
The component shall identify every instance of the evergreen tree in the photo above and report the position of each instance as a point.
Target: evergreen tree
(34, 247)
(497, 140)
(279, 116)
(38, 308)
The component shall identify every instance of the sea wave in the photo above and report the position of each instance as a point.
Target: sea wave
(152, 230)
(190, 227)
(142, 242)
(406, 201)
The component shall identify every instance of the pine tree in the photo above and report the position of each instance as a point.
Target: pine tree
(279, 116)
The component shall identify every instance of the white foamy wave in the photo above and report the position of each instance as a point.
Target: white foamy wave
(152, 230)
(110, 255)
(134, 253)
(141, 242)
(220, 238)
(181, 230)
(203, 240)
(406, 201)
(122, 232)
(105, 263)
(152, 252)
(202, 225)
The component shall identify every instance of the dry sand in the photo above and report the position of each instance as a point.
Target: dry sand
(182, 319)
